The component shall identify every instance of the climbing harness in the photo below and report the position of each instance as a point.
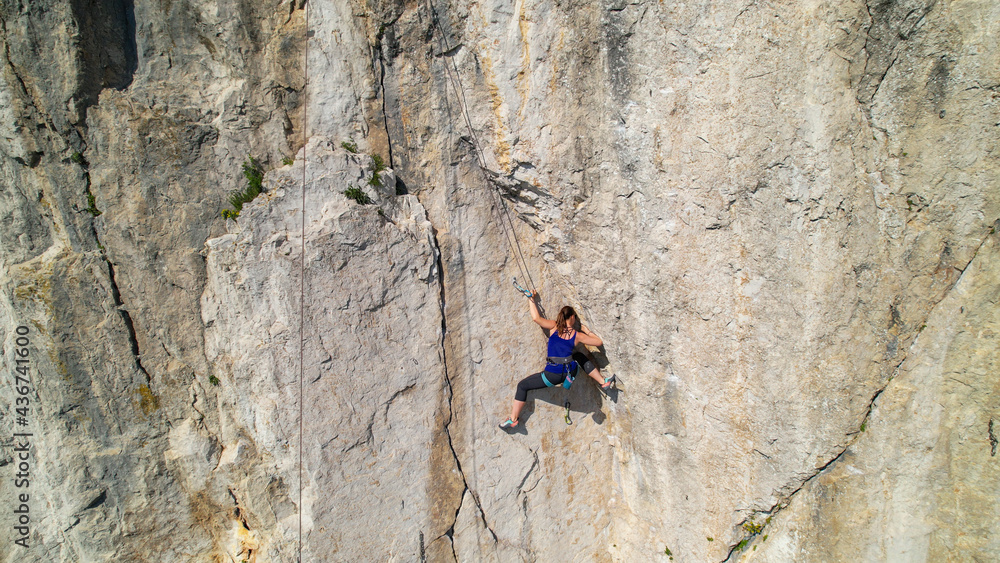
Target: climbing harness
(566, 418)
(521, 289)
(570, 377)
(568, 365)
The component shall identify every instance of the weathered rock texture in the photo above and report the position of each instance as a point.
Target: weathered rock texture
(373, 333)
(781, 218)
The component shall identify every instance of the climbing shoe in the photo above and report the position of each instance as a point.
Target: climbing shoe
(508, 425)
(608, 381)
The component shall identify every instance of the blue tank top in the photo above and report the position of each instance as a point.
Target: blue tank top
(561, 348)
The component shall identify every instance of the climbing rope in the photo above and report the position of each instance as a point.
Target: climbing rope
(503, 214)
(302, 264)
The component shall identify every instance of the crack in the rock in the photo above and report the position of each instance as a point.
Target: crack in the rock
(13, 69)
(450, 533)
(534, 464)
(127, 318)
(91, 201)
(449, 416)
(242, 519)
(993, 440)
(98, 501)
(868, 37)
(396, 395)
(40, 117)
(465, 481)
(746, 540)
(881, 79)
(883, 35)
(368, 438)
(744, 10)
(194, 401)
(237, 511)
(381, 82)
(115, 291)
(73, 525)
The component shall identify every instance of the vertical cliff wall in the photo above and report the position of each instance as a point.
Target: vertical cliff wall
(780, 217)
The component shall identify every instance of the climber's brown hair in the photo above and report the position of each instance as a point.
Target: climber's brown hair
(562, 320)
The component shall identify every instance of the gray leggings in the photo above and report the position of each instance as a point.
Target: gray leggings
(535, 381)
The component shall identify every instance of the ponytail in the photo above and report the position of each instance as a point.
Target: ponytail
(562, 320)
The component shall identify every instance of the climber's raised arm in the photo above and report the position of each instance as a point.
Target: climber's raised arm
(541, 321)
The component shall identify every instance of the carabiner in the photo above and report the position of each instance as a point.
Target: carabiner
(521, 289)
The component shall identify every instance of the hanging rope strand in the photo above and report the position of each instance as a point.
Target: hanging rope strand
(498, 201)
(527, 272)
(498, 205)
(302, 266)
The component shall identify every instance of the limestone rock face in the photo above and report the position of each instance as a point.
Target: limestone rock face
(781, 219)
(918, 483)
(373, 335)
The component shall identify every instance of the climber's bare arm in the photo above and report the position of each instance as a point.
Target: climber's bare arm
(541, 321)
(584, 336)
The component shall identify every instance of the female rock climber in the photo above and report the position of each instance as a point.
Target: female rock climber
(562, 359)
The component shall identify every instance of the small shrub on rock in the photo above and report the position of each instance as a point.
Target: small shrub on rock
(254, 174)
(358, 195)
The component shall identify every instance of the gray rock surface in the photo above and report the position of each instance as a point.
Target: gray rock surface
(780, 218)
(372, 338)
(919, 481)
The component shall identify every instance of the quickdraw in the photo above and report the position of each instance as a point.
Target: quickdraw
(521, 289)
(568, 421)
